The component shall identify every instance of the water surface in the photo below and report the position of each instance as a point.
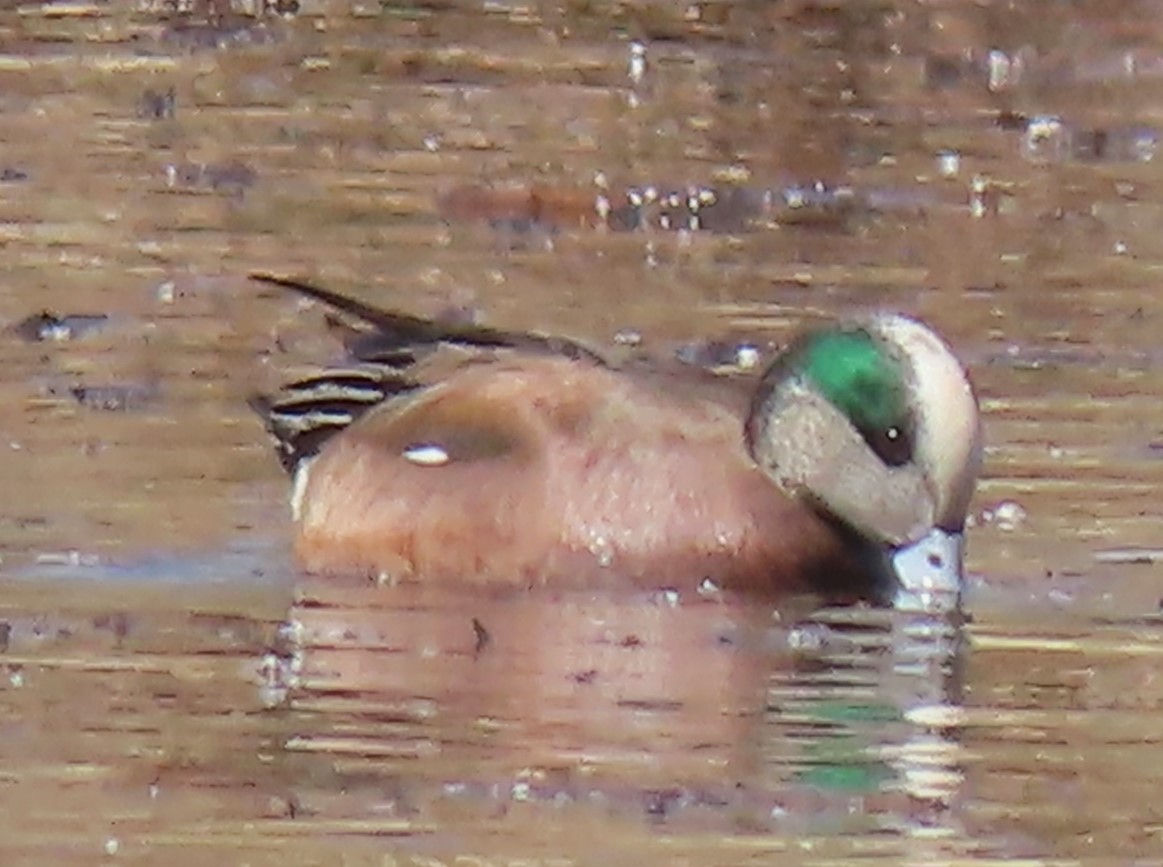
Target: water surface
(666, 174)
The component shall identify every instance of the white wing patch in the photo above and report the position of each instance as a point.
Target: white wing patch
(426, 455)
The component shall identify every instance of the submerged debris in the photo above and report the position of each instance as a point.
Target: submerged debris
(721, 356)
(232, 178)
(112, 397)
(157, 105)
(116, 397)
(47, 326)
(668, 208)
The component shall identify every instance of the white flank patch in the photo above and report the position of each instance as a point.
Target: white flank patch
(426, 455)
(299, 487)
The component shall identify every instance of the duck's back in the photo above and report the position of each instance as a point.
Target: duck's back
(543, 470)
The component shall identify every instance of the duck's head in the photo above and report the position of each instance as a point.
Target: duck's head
(875, 423)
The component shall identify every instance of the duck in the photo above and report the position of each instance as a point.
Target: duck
(460, 453)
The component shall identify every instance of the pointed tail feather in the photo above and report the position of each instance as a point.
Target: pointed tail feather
(405, 330)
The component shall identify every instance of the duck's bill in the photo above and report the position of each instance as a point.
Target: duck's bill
(928, 573)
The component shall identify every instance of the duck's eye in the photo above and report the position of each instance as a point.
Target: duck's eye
(893, 444)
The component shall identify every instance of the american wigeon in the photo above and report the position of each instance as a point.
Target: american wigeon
(846, 469)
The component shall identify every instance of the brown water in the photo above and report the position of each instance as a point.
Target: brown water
(172, 694)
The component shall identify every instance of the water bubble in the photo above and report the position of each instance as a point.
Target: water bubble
(1006, 515)
(948, 164)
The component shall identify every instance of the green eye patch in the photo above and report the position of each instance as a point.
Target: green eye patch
(856, 375)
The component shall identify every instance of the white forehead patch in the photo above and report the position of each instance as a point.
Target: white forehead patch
(949, 432)
(426, 455)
